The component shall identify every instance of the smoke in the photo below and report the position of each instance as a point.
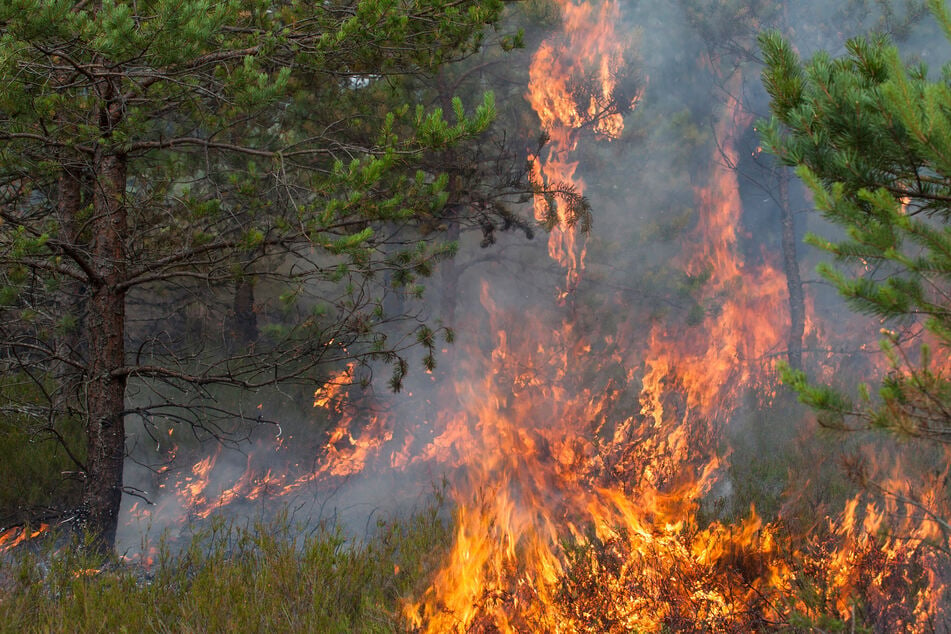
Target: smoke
(641, 287)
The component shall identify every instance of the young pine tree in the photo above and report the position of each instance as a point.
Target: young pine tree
(166, 158)
(871, 137)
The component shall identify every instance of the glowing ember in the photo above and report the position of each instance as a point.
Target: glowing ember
(13, 537)
(86, 572)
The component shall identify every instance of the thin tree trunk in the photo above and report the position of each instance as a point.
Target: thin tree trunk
(245, 319)
(449, 273)
(797, 308)
(105, 388)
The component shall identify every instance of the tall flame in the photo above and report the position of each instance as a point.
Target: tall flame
(573, 82)
(745, 320)
(538, 451)
(577, 498)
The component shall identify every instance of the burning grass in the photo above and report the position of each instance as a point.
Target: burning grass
(694, 575)
(584, 463)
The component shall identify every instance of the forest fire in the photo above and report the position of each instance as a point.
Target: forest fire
(569, 520)
(556, 490)
(578, 504)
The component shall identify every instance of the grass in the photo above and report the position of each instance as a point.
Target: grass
(272, 577)
(280, 577)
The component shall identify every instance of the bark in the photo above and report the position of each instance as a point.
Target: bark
(105, 400)
(105, 387)
(797, 309)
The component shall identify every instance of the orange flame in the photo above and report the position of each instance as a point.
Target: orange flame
(744, 322)
(559, 67)
(577, 504)
(13, 537)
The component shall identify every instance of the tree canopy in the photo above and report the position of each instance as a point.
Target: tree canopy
(198, 193)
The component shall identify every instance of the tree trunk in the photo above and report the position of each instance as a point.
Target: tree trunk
(105, 386)
(797, 309)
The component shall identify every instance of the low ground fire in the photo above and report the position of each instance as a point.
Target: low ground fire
(588, 461)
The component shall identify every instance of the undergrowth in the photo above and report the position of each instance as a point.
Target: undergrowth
(272, 577)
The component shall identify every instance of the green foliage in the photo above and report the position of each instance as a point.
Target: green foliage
(248, 132)
(870, 138)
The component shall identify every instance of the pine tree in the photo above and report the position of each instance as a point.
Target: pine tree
(870, 137)
(176, 175)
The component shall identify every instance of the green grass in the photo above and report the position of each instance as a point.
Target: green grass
(268, 578)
